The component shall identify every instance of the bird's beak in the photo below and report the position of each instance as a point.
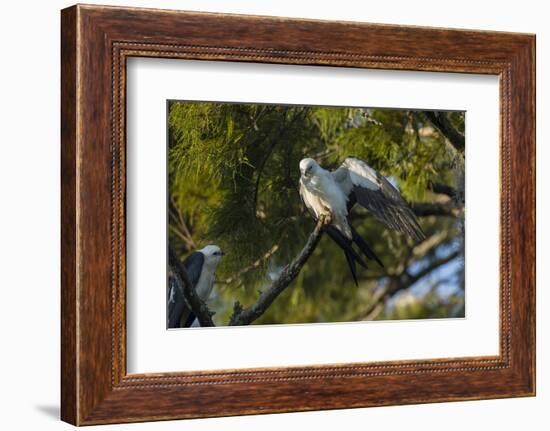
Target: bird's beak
(222, 253)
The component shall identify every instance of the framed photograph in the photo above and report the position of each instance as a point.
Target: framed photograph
(322, 214)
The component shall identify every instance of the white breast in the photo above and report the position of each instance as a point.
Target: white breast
(326, 197)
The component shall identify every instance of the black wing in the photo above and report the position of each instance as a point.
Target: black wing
(374, 192)
(193, 265)
(177, 310)
(390, 208)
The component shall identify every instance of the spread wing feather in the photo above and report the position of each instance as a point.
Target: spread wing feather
(365, 186)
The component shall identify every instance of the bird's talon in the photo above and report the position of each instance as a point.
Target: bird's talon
(326, 219)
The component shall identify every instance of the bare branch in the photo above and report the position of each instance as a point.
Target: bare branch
(410, 280)
(440, 120)
(375, 305)
(254, 265)
(443, 189)
(373, 311)
(425, 209)
(204, 315)
(290, 272)
(323, 154)
(186, 241)
(179, 227)
(401, 282)
(419, 251)
(422, 249)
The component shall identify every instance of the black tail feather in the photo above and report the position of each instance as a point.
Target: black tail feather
(352, 267)
(347, 246)
(344, 243)
(364, 247)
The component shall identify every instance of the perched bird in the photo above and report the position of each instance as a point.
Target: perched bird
(200, 267)
(333, 195)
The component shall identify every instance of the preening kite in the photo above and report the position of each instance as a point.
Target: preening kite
(201, 268)
(333, 195)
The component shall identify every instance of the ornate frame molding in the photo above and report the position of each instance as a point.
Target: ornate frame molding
(96, 41)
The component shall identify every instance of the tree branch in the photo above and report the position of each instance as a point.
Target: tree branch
(411, 279)
(439, 120)
(254, 265)
(204, 315)
(290, 272)
(179, 227)
(401, 282)
(186, 241)
(425, 209)
(443, 189)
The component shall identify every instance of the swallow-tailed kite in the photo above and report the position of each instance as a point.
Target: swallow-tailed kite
(201, 267)
(333, 194)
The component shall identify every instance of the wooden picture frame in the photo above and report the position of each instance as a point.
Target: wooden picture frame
(95, 43)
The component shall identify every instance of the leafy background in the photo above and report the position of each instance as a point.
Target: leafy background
(233, 181)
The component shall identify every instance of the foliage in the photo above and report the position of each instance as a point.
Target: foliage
(233, 181)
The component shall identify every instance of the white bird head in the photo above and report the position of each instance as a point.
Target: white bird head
(308, 167)
(212, 255)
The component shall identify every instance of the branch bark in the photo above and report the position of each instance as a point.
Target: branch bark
(401, 282)
(411, 279)
(442, 123)
(247, 315)
(425, 209)
(179, 226)
(254, 265)
(204, 315)
(443, 189)
(447, 209)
